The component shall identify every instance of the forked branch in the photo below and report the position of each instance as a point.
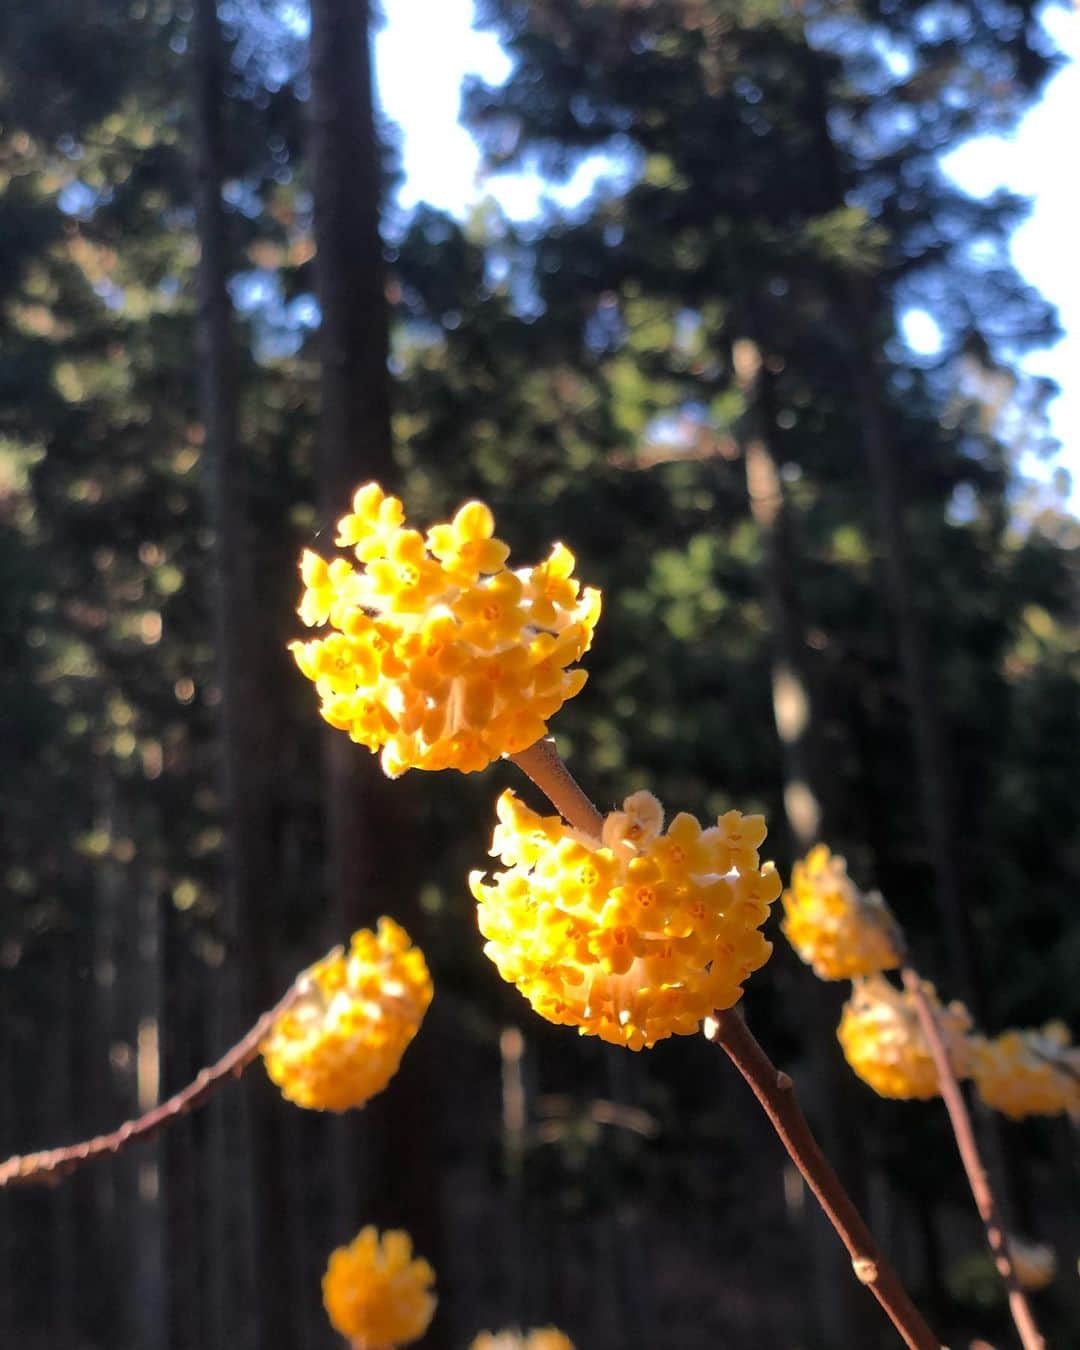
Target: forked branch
(977, 1175)
(773, 1089)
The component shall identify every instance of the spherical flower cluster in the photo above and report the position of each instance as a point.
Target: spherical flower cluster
(377, 1295)
(1029, 1073)
(883, 1041)
(1035, 1263)
(837, 929)
(437, 653)
(633, 937)
(341, 1041)
(543, 1338)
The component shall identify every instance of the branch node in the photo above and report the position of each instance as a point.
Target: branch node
(866, 1271)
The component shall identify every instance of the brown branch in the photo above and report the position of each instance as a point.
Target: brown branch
(49, 1166)
(542, 764)
(774, 1090)
(776, 1094)
(977, 1175)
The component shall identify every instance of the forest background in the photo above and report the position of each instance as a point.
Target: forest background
(831, 593)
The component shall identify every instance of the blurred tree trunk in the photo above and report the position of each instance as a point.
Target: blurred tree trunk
(353, 338)
(184, 1149)
(354, 429)
(792, 707)
(59, 1113)
(148, 1272)
(842, 1306)
(371, 861)
(248, 1163)
(863, 310)
(931, 742)
(932, 756)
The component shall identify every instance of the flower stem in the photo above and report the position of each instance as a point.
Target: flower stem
(977, 1175)
(541, 763)
(776, 1094)
(773, 1089)
(52, 1164)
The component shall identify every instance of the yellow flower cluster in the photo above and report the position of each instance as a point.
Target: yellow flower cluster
(543, 1338)
(342, 1039)
(1035, 1263)
(883, 1041)
(838, 930)
(1029, 1073)
(634, 937)
(376, 1293)
(438, 654)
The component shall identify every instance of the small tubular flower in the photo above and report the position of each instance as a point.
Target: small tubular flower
(437, 654)
(634, 937)
(883, 1042)
(341, 1041)
(542, 1338)
(1035, 1263)
(376, 1293)
(1029, 1073)
(838, 930)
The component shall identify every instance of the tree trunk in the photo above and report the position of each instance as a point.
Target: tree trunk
(148, 1269)
(248, 1165)
(371, 860)
(931, 745)
(354, 440)
(792, 708)
(860, 312)
(839, 1302)
(931, 748)
(354, 430)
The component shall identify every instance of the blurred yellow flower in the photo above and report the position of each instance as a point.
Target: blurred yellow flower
(1029, 1073)
(342, 1040)
(838, 930)
(438, 655)
(1035, 1263)
(543, 1338)
(883, 1041)
(377, 1295)
(637, 936)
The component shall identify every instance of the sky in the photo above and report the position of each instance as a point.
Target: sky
(420, 89)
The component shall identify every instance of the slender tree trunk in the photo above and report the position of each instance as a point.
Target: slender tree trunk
(371, 859)
(930, 740)
(250, 1167)
(148, 1271)
(859, 309)
(57, 1058)
(931, 745)
(792, 709)
(839, 1304)
(183, 1152)
(353, 341)
(354, 430)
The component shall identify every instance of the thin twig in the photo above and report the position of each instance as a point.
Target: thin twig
(542, 764)
(776, 1094)
(49, 1166)
(977, 1175)
(773, 1089)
